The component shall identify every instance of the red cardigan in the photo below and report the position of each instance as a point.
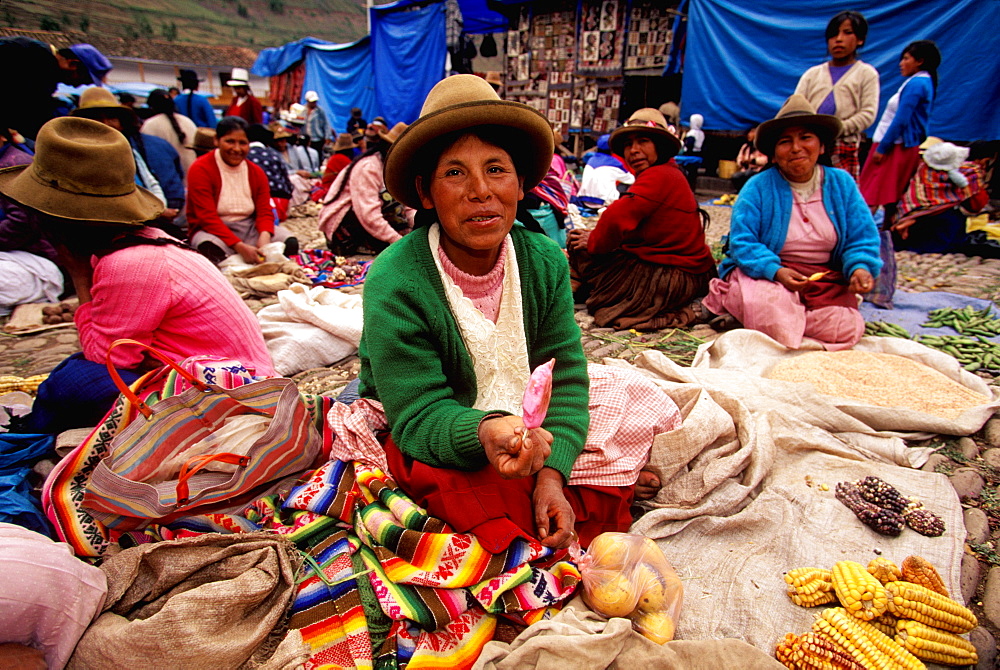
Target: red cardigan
(204, 182)
(251, 110)
(657, 220)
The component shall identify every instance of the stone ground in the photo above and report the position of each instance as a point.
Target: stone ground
(972, 463)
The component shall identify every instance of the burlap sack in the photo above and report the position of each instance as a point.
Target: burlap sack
(211, 601)
(579, 638)
(743, 499)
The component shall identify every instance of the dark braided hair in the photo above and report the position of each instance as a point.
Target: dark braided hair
(927, 52)
(160, 102)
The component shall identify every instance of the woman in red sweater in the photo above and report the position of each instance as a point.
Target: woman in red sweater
(229, 200)
(646, 260)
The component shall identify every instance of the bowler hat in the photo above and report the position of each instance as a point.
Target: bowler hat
(647, 121)
(797, 112)
(461, 102)
(83, 170)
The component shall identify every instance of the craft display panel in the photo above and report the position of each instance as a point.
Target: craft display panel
(602, 32)
(605, 109)
(649, 35)
(553, 46)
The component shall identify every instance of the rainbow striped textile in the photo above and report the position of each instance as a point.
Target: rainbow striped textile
(439, 593)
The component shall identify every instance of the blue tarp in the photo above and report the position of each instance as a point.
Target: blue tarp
(343, 77)
(406, 49)
(743, 59)
(477, 18)
(408, 55)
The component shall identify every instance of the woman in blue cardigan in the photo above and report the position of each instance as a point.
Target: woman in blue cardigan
(802, 241)
(903, 127)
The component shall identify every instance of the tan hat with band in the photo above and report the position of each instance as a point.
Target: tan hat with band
(344, 142)
(651, 122)
(83, 170)
(461, 102)
(797, 112)
(96, 102)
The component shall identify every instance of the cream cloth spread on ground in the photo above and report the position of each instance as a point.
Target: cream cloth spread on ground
(736, 509)
(310, 328)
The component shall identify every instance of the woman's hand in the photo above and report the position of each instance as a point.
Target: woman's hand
(861, 281)
(554, 517)
(877, 157)
(511, 456)
(263, 239)
(169, 214)
(790, 279)
(576, 239)
(248, 252)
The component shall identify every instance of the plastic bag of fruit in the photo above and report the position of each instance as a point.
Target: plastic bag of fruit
(628, 576)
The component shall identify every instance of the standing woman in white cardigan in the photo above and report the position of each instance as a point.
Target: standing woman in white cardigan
(845, 87)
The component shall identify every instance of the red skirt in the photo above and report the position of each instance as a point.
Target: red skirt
(498, 511)
(885, 183)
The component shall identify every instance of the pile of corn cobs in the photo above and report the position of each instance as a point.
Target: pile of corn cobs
(885, 510)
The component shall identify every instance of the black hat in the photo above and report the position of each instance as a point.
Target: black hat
(259, 133)
(188, 78)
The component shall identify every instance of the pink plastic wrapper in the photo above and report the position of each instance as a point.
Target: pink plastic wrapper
(537, 395)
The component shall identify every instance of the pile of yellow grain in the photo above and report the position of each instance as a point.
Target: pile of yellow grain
(884, 380)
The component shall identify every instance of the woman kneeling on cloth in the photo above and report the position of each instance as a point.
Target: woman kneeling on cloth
(457, 314)
(646, 260)
(802, 242)
(133, 281)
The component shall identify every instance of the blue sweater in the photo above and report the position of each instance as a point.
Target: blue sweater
(913, 115)
(760, 225)
(197, 108)
(165, 164)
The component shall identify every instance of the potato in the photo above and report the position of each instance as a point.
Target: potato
(612, 597)
(655, 626)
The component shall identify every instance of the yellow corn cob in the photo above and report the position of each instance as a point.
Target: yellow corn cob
(886, 623)
(814, 651)
(912, 601)
(808, 587)
(858, 591)
(865, 643)
(917, 570)
(10, 383)
(935, 645)
(783, 651)
(884, 570)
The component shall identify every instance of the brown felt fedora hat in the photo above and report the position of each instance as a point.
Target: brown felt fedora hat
(797, 112)
(83, 170)
(651, 122)
(96, 102)
(344, 142)
(458, 103)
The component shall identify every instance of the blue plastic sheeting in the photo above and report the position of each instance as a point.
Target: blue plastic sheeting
(408, 58)
(343, 77)
(477, 18)
(744, 58)
(272, 62)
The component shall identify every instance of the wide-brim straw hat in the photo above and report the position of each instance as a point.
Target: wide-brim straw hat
(462, 102)
(96, 101)
(239, 77)
(797, 112)
(344, 142)
(647, 121)
(83, 170)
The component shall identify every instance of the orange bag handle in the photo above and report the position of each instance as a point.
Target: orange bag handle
(127, 392)
(199, 462)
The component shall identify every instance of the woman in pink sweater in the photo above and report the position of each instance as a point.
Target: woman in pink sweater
(133, 281)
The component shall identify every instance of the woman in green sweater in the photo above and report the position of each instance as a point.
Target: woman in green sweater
(459, 312)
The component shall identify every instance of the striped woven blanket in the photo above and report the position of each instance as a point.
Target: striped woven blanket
(932, 190)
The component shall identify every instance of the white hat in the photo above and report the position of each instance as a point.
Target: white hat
(296, 114)
(238, 77)
(312, 96)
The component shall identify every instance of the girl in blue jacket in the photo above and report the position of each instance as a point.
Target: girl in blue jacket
(903, 126)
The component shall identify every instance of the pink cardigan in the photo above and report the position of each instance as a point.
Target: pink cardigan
(361, 193)
(169, 298)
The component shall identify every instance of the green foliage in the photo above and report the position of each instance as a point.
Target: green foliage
(8, 16)
(84, 23)
(169, 31)
(276, 6)
(242, 10)
(49, 23)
